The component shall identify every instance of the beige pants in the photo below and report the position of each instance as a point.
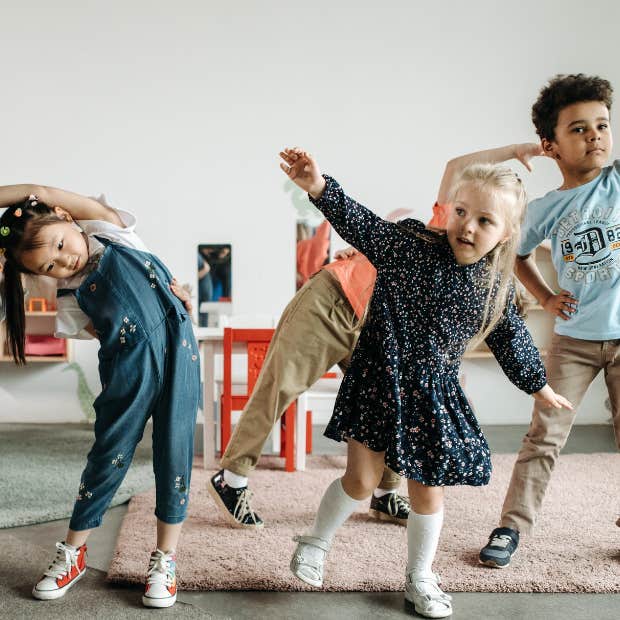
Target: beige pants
(317, 330)
(572, 365)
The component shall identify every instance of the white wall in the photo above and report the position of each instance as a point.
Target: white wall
(177, 112)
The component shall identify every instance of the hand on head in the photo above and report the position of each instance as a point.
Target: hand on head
(527, 151)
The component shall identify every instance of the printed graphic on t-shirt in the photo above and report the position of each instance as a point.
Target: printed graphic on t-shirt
(590, 246)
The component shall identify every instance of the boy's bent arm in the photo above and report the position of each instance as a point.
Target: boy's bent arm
(562, 304)
(527, 271)
(454, 168)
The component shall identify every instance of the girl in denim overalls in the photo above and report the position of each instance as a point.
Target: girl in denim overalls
(112, 288)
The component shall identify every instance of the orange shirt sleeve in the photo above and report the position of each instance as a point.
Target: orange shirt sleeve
(440, 216)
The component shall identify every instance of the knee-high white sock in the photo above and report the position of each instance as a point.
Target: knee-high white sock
(335, 508)
(422, 539)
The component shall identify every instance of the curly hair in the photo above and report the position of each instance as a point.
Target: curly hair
(562, 91)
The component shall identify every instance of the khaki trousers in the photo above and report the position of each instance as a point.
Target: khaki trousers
(572, 365)
(317, 330)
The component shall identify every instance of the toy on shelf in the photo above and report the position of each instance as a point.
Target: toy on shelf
(37, 304)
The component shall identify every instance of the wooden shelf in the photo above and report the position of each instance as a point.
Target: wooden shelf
(40, 313)
(477, 354)
(486, 354)
(40, 323)
(39, 358)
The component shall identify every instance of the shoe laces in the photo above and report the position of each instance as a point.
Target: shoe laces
(243, 508)
(501, 541)
(160, 569)
(64, 560)
(395, 503)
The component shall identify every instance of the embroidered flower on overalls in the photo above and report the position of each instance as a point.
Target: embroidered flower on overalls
(83, 493)
(152, 274)
(117, 461)
(179, 484)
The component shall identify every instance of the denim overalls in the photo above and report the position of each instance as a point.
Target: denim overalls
(149, 366)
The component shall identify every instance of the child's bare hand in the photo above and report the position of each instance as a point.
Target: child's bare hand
(346, 253)
(182, 293)
(563, 304)
(527, 151)
(551, 399)
(303, 170)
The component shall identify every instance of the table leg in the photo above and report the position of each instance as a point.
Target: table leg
(208, 429)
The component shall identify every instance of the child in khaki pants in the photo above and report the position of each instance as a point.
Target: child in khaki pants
(582, 220)
(319, 328)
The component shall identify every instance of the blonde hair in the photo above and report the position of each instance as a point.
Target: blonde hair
(499, 279)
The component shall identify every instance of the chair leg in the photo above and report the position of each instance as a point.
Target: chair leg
(283, 433)
(225, 424)
(289, 441)
(308, 432)
(300, 433)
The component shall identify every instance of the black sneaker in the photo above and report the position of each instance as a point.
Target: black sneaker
(235, 503)
(390, 507)
(503, 542)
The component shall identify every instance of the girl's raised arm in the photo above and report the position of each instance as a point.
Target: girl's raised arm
(374, 237)
(77, 206)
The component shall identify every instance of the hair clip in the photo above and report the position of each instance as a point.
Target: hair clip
(5, 231)
(33, 200)
(17, 212)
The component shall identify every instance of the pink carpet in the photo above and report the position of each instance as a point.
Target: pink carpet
(576, 547)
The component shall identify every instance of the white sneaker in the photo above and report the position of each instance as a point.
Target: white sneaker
(427, 597)
(308, 560)
(161, 581)
(66, 569)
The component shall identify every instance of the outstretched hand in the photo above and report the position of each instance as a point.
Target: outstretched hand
(551, 399)
(527, 151)
(302, 169)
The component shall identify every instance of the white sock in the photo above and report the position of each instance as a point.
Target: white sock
(381, 492)
(422, 539)
(335, 508)
(235, 480)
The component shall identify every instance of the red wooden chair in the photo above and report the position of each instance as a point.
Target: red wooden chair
(257, 342)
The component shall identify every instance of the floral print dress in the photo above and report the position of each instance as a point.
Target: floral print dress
(401, 392)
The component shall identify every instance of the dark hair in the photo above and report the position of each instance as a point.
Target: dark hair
(562, 91)
(19, 231)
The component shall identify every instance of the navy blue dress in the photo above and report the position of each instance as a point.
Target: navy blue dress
(401, 393)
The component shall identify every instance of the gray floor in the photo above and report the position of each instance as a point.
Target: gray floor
(340, 606)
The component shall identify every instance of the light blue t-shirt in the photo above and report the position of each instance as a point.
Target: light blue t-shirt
(583, 225)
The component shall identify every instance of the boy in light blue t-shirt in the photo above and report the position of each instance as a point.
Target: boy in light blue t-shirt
(582, 220)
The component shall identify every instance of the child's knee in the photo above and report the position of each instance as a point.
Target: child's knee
(359, 485)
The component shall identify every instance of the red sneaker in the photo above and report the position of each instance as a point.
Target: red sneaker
(67, 568)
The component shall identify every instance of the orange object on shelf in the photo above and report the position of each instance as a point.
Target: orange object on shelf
(40, 301)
